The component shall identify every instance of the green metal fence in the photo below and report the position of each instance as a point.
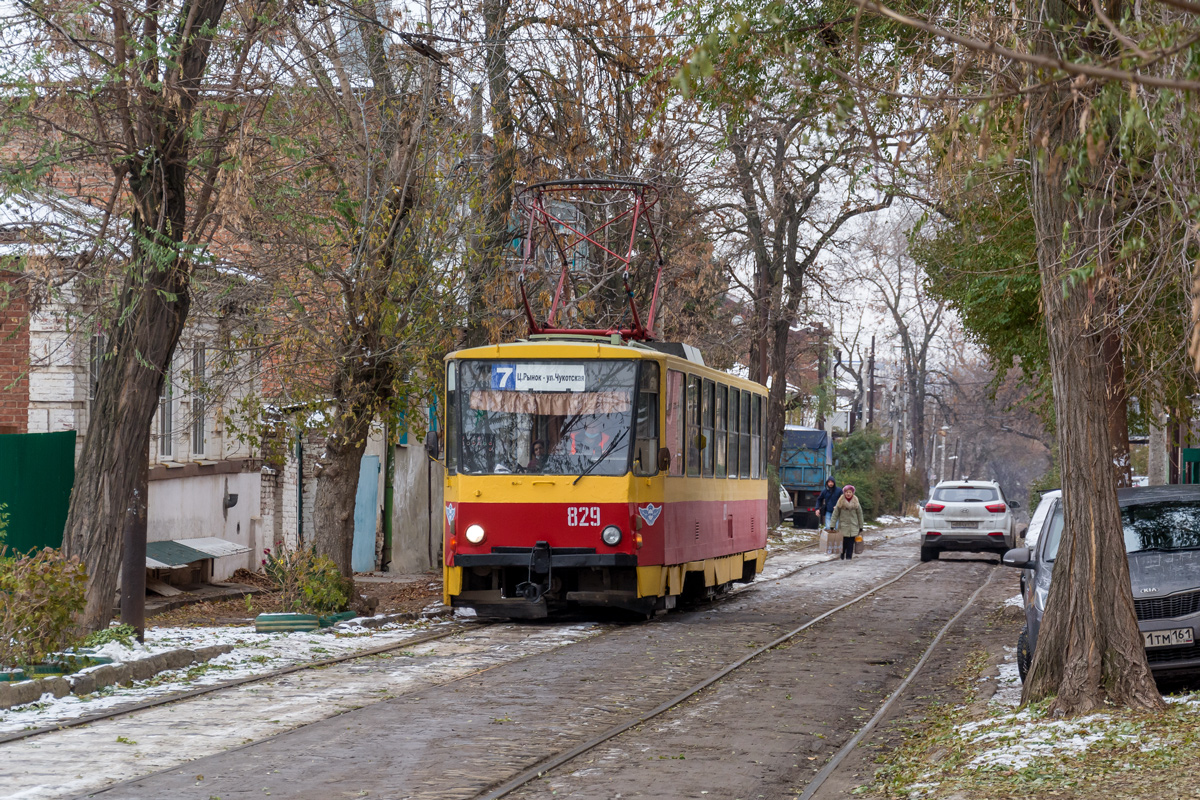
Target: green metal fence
(37, 471)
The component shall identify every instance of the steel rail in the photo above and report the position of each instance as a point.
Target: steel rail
(542, 767)
(122, 711)
(831, 766)
(16, 736)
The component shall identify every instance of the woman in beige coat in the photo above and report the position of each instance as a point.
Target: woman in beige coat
(848, 512)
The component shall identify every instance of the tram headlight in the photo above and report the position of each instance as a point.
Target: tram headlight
(611, 535)
(474, 534)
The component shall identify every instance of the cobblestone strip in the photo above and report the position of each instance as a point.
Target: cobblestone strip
(70, 762)
(457, 740)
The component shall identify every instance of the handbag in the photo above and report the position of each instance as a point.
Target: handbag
(858, 545)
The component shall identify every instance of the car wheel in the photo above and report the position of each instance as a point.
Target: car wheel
(929, 554)
(1024, 654)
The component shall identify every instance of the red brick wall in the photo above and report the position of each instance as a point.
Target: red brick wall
(14, 357)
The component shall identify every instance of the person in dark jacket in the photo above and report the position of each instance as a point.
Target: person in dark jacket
(826, 501)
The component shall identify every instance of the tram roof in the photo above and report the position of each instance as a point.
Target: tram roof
(581, 346)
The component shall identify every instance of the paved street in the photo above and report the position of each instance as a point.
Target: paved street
(448, 719)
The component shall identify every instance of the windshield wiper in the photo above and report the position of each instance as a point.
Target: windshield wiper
(601, 457)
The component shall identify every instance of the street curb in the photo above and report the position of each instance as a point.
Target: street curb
(18, 694)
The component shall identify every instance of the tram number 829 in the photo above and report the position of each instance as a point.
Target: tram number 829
(583, 516)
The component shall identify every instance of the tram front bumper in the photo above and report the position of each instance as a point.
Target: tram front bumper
(560, 558)
(529, 582)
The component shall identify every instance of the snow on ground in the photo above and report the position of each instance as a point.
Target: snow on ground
(80, 760)
(888, 519)
(1014, 739)
(253, 654)
(1015, 601)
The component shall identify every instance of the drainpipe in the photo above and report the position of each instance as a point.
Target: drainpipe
(299, 486)
(389, 497)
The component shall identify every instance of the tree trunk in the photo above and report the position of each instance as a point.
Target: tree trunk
(916, 429)
(487, 266)
(1089, 650)
(776, 412)
(153, 306)
(337, 488)
(118, 434)
(1117, 398)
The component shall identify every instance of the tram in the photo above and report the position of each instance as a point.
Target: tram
(598, 468)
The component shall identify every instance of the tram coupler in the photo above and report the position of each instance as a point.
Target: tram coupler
(539, 564)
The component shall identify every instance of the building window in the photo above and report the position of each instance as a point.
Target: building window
(166, 422)
(199, 410)
(99, 346)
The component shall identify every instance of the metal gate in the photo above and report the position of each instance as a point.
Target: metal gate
(37, 471)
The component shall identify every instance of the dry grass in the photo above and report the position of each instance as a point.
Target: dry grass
(394, 598)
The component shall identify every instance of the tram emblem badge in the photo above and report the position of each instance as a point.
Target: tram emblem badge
(650, 513)
(450, 511)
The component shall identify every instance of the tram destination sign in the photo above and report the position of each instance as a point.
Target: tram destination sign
(534, 377)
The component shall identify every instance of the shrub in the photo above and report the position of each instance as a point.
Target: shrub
(122, 634)
(307, 582)
(40, 594)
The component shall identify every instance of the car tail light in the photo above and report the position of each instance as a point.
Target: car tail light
(997, 508)
(932, 533)
(996, 533)
(934, 507)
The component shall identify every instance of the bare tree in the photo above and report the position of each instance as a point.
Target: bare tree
(128, 91)
(895, 286)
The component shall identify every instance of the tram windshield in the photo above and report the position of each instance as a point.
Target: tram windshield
(546, 417)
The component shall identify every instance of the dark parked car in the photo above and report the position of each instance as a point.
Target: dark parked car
(1162, 539)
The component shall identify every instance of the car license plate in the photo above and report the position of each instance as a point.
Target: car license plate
(964, 525)
(1171, 638)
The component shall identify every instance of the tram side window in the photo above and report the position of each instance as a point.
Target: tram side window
(675, 422)
(693, 426)
(762, 431)
(645, 453)
(734, 395)
(722, 395)
(706, 422)
(744, 435)
(451, 440)
(756, 438)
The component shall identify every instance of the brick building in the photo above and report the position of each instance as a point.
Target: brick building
(14, 355)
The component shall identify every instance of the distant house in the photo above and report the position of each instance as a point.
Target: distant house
(217, 486)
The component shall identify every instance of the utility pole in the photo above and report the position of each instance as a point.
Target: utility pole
(871, 386)
(133, 555)
(822, 372)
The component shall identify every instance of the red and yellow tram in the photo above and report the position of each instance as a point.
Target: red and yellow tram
(597, 468)
(595, 471)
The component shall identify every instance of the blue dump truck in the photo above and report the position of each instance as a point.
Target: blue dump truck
(806, 462)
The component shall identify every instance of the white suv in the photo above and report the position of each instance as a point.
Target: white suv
(967, 516)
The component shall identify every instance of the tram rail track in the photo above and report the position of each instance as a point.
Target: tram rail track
(133, 708)
(123, 711)
(542, 768)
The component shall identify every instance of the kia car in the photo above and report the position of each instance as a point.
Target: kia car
(1162, 541)
(967, 516)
